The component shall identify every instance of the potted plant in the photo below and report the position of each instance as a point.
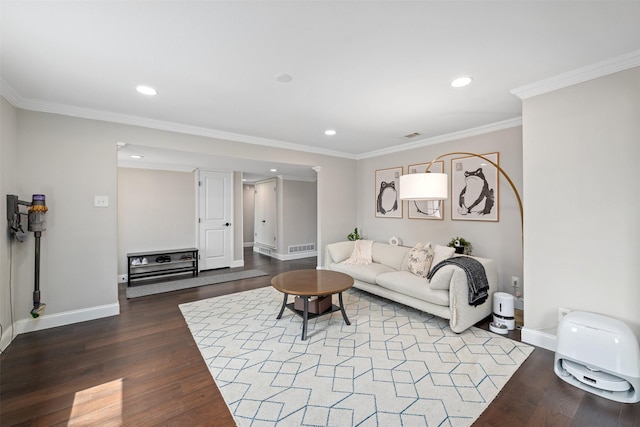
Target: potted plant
(354, 235)
(461, 245)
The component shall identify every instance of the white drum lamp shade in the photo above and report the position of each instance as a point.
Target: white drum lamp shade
(424, 186)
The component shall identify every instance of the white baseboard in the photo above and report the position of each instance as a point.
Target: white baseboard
(237, 263)
(539, 339)
(248, 244)
(288, 257)
(47, 321)
(5, 340)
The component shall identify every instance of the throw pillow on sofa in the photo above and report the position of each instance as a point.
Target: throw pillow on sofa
(420, 259)
(440, 253)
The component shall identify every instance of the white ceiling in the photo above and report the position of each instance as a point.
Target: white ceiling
(372, 70)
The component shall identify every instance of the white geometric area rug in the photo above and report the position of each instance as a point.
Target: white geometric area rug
(393, 366)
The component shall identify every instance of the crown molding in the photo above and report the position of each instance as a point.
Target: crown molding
(68, 110)
(590, 72)
(141, 164)
(86, 113)
(7, 91)
(297, 178)
(480, 130)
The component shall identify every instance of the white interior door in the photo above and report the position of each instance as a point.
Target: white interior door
(215, 201)
(265, 225)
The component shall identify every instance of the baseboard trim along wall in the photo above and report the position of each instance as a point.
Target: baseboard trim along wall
(284, 257)
(539, 339)
(288, 257)
(7, 336)
(47, 321)
(237, 263)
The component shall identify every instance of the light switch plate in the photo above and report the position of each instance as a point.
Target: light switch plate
(101, 201)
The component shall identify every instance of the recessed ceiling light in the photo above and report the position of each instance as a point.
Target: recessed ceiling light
(146, 90)
(136, 156)
(284, 78)
(273, 170)
(462, 81)
(330, 132)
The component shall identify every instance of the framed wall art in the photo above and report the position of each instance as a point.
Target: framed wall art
(474, 188)
(426, 209)
(387, 185)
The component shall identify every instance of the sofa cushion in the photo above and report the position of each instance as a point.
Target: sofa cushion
(409, 284)
(441, 253)
(364, 273)
(390, 255)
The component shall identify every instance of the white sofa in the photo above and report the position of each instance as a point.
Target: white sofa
(446, 295)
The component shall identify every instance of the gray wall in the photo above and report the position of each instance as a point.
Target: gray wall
(581, 148)
(248, 211)
(238, 249)
(299, 213)
(8, 147)
(156, 211)
(69, 160)
(500, 240)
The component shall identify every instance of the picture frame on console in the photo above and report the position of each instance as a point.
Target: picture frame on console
(426, 209)
(475, 188)
(387, 185)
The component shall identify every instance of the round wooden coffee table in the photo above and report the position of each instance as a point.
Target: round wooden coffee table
(311, 283)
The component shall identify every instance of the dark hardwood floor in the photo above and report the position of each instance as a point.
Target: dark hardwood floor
(142, 368)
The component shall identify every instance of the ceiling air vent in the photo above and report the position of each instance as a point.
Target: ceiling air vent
(412, 135)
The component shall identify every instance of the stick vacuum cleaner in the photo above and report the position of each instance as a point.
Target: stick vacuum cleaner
(36, 224)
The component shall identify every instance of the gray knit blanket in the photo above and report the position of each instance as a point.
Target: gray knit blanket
(476, 277)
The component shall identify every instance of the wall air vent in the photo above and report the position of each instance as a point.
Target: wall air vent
(265, 251)
(412, 135)
(308, 247)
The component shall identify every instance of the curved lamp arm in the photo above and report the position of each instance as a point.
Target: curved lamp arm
(513, 187)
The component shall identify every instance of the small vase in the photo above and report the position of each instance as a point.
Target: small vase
(459, 249)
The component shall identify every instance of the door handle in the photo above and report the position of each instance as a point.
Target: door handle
(227, 224)
(264, 220)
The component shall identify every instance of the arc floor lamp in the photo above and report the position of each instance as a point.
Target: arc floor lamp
(435, 186)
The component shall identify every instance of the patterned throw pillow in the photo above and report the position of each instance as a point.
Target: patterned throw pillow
(420, 259)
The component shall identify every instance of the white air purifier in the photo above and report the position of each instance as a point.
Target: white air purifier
(598, 354)
(503, 312)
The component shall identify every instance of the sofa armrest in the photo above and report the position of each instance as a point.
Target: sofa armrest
(337, 252)
(464, 315)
